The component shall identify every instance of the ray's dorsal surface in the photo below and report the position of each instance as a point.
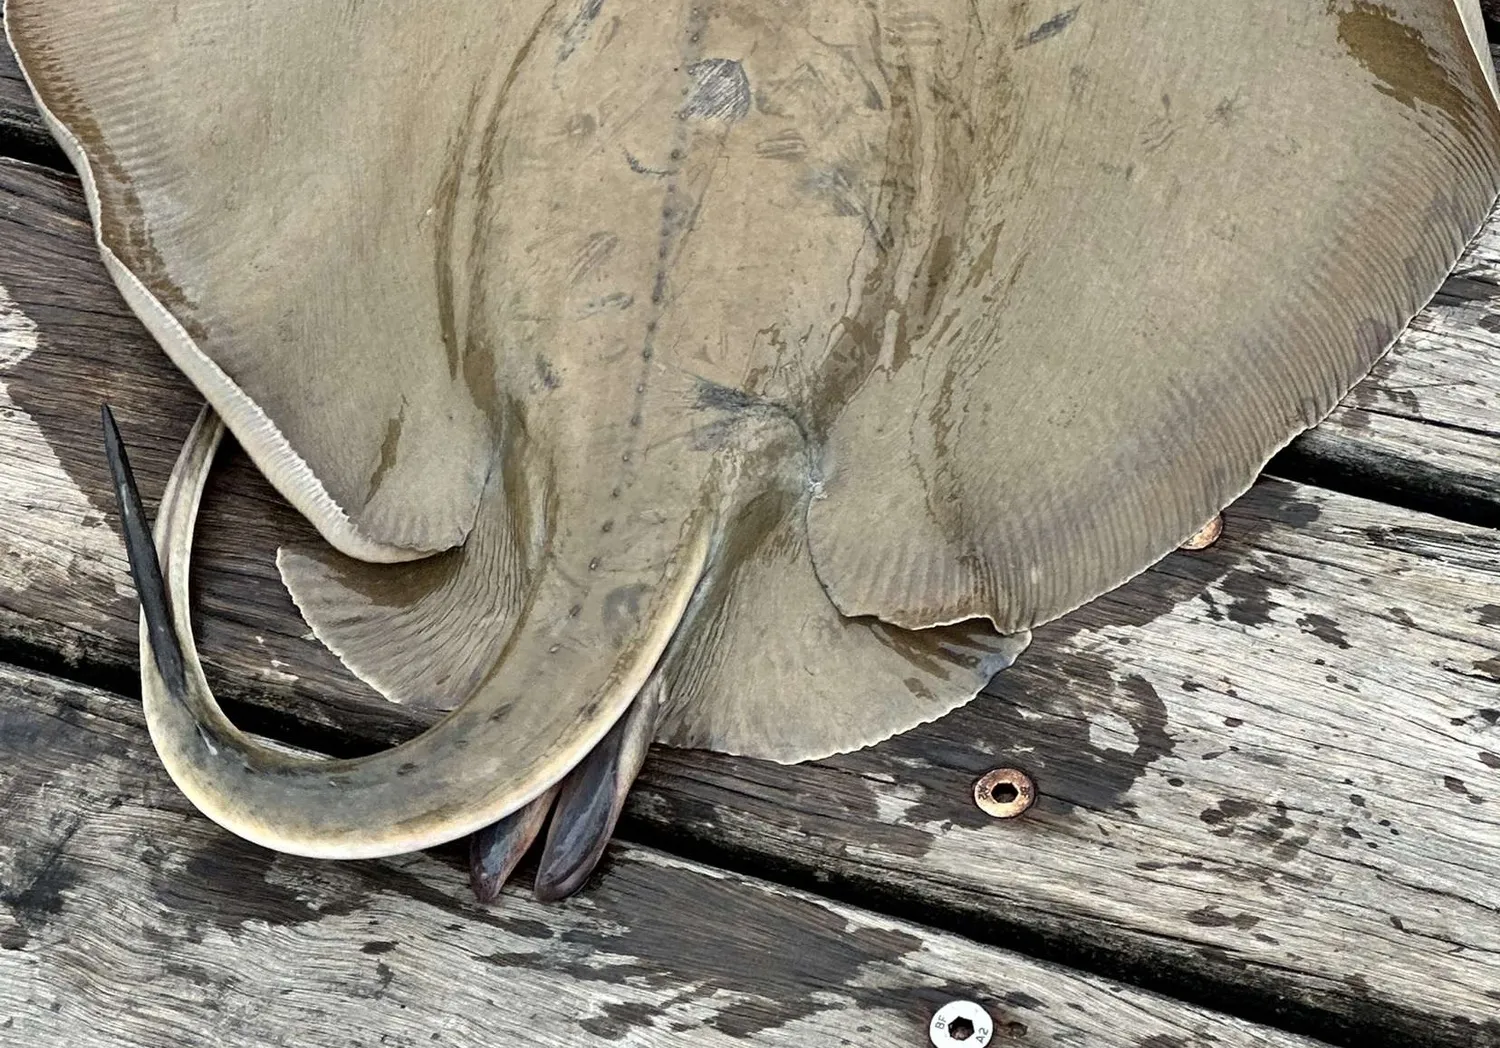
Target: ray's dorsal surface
(786, 363)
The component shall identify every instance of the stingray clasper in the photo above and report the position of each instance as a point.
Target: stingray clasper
(732, 374)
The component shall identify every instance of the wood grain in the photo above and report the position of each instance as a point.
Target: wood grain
(23, 135)
(127, 920)
(1269, 773)
(1275, 765)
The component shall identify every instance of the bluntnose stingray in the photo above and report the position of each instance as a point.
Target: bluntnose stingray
(736, 374)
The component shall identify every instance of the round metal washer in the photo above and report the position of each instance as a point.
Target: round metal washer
(974, 1027)
(1015, 792)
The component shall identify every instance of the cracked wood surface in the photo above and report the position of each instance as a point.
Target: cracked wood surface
(1271, 770)
(22, 131)
(126, 919)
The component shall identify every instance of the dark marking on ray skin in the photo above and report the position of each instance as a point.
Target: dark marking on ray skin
(1053, 26)
(578, 30)
(581, 125)
(917, 688)
(1410, 71)
(1489, 760)
(445, 207)
(385, 946)
(856, 345)
(596, 250)
(641, 169)
(545, 374)
(467, 198)
(1325, 629)
(836, 186)
(720, 91)
(644, 941)
(617, 300)
(711, 396)
(1489, 614)
(788, 145)
(388, 448)
(622, 605)
(964, 644)
(1228, 110)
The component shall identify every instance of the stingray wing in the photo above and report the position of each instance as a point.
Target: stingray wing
(1169, 237)
(299, 244)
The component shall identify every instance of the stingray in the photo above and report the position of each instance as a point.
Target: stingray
(727, 374)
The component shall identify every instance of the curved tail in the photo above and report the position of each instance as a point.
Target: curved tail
(557, 690)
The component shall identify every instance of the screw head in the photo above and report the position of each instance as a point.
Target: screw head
(1004, 792)
(960, 1024)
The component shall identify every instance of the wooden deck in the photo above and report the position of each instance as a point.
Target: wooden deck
(1269, 772)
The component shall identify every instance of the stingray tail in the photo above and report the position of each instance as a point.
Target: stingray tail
(145, 568)
(502, 752)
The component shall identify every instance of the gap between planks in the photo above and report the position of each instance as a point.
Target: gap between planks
(23, 134)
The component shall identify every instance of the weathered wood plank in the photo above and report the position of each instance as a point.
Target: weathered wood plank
(124, 919)
(1275, 764)
(22, 132)
(1255, 869)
